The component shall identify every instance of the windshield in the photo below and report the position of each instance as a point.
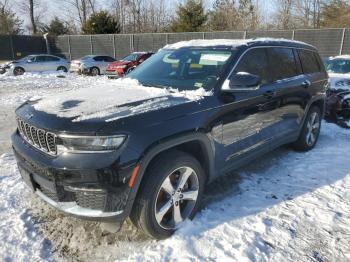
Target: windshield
(184, 68)
(26, 58)
(340, 66)
(131, 57)
(86, 57)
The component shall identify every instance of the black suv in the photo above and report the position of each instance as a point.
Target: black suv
(150, 157)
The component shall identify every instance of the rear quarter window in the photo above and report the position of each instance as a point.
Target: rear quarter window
(309, 61)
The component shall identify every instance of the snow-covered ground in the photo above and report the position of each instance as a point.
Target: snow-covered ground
(286, 206)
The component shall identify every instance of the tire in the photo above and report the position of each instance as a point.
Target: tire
(94, 71)
(62, 68)
(17, 71)
(310, 131)
(153, 195)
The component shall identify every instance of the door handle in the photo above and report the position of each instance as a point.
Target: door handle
(269, 94)
(306, 84)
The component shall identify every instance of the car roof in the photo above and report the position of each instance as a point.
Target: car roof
(43, 54)
(142, 52)
(240, 42)
(344, 57)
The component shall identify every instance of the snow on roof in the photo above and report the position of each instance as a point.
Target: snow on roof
(339, 57)
(211, 42)
(228, 42)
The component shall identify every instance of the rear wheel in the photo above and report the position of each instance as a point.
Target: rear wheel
(62, 68)
(170, 194)
(95, 71)
(310, 131)
(18, 71)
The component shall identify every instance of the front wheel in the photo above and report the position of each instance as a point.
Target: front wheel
(18, 71)
(95, 71)
(170, 194)
(62, 68)
(310, 131)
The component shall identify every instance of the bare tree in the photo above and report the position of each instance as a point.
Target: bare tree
(34, 9)
(284, 14)
(80, 10)
(32, 18)
(307, 13)
(137, 16)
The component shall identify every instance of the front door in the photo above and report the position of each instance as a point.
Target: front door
(248, 114)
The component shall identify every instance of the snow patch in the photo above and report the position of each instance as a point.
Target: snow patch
(117, 96)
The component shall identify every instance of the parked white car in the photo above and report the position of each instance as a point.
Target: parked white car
(91, 64)
(38, 63)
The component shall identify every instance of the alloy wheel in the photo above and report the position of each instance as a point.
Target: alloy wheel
(313, 127)
(176, 197)
(94, 71)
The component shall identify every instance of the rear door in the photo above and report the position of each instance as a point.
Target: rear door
(52, 63)
(290, 94)
(314, 71)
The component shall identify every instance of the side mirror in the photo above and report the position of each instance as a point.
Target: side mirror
(29, 61)
(242, 80)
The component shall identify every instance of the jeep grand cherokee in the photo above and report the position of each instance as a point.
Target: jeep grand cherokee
(148, 151)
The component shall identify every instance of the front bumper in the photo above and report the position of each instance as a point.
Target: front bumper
(97, 192)
(113, 74)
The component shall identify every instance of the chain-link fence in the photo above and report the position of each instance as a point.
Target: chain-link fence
(329, 42)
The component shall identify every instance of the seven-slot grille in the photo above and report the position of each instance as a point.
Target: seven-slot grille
(45, 141)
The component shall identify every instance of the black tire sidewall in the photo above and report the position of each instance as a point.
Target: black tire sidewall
(153, 183)
(62, 68)
(18, 68)
(95, 68)
(301, 144)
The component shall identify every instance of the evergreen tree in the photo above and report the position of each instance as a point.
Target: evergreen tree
(56, 27)
(10, 24)
(101, 23)
(191, 17)
(336, 14)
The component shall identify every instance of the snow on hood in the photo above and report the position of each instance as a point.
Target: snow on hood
(122, 97)
(334, 78)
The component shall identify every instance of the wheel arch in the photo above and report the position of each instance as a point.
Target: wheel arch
(197, 144)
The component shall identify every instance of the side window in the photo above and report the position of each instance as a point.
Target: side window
(255, 62)
(51, 59)
(98, 58)
(309, 61)
(108, 59)
(282, 63)
(40, 59)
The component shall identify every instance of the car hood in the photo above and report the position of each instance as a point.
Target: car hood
(89, 109)
(120, 62)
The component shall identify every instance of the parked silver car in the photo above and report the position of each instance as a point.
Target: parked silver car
(91, 64)
(38, 63)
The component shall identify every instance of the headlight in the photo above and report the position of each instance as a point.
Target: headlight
(88, 143)
(121, 66)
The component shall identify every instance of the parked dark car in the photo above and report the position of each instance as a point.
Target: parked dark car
(127, 64)
(338, 95)
(150, 157)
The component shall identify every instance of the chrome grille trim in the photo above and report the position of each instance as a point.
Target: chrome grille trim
(39, 138)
